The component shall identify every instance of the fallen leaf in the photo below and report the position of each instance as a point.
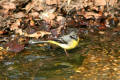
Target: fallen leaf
(14, 46)
(100, 2)
(1, 48)
(36, 4)
(50, 2)
(38, 34)
(8, 5)
(32, 23)
(61, 20)
(15, 25)
(34, 14)
(88, 15)
(48, 14)
(19, 15)
(19, 31)
(1, 32)
(57, 31)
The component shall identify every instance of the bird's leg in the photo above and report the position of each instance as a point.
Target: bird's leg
(66, 52)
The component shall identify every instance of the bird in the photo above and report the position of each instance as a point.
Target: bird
(67, 42)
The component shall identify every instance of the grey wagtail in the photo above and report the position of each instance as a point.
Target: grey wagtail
(66, 42)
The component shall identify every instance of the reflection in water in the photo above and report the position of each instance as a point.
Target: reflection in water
(40, 65)
(94, 59)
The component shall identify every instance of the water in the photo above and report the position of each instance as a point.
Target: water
(40, 65)
(96, 58)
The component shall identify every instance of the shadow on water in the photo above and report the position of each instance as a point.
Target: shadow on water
(39, 64)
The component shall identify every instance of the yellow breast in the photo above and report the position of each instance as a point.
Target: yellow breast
(71, 44)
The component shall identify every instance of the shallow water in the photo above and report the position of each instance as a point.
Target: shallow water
(94, 59)
(40, 65)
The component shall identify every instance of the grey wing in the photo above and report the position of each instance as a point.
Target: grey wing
(65, 38)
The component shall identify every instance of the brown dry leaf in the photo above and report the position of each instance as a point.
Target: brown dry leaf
(34, 14)
(48, 14)
(1, 32)
(57, 31)
(100, 2)
(30, 5)
(15, 25)
(3, 53)
(36, 4)
(19, 15)
(91, 14)
(51, 16)
(14, 46)
(19, 31)
(50, 2)
(5, 12)
(8, 5)
(112, 2)
(32, 23)
(38, 34)
(61, 20)
(40, 5)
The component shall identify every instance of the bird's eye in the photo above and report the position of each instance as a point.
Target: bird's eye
(74, 37)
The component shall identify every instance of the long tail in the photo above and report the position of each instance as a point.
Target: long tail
(37, 42)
